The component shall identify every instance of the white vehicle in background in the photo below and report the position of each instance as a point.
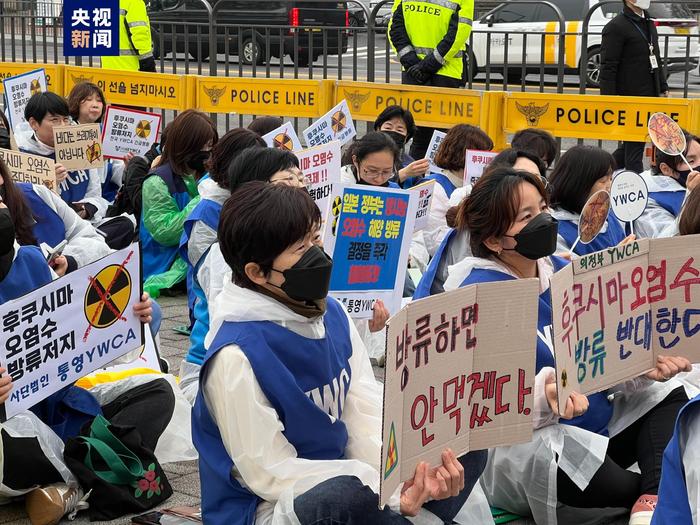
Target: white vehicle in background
(533, 40)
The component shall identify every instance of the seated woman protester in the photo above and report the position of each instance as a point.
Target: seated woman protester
(570, 465)
(169, 195)
(455, 246)
(398, 123)
(668, 182)
(679, 491)
(450, 159)
(581, 172)
(32, 442)
(271, 448)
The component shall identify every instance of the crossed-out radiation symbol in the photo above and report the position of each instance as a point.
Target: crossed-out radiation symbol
(108, 296)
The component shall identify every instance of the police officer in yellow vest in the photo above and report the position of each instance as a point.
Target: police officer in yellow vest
(135, 45)
(430, 37)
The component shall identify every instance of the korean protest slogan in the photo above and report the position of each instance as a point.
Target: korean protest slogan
(337, 124)
(424, 191)
(475, 163)
(616, 310)
(74, 325)
(368, 233)
(78, 147)
(18, 90)
(321, 167)
(128, 131)
(460, 370)
(33, 169)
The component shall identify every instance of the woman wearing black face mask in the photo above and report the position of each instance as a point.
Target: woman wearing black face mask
(513, 236)
(286, 363)
(668, 181)
(169, 195)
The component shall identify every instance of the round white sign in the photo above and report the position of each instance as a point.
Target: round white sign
(629, 196)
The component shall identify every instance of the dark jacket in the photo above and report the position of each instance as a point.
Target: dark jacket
(625, 67)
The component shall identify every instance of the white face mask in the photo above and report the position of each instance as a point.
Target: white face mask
(642, 4)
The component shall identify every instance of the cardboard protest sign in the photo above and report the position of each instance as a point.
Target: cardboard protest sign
(425, 198)
(78, 147)
(337, 124)
(76, 324)
(460, 370)
(430, 153)
(616, 310)
(368, 234)
(283, 137)
(629, 196)
(18, 90)
(475, 162)
(33, 169)
(321, 167)
(128, 131)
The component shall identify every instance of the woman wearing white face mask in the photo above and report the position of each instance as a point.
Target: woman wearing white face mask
(631, 66)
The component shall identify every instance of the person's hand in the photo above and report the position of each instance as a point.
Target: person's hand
(417, 73)
(665, 94)
(380, 315)
(144, 309)
(156, 162)
(61, 173)
(5, 385)
(2, 204)
(693, 180)
(80, 209)
(59, 265)
(667, 367)
(416, 168)
(127, 158)
(565, 255)
(452, 473)
(630, 238)
(576, 404)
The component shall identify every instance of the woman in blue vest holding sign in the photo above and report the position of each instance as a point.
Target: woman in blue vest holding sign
(668, 182)
(570, 465)
(581, 172)
(288, 417)
(169, 195)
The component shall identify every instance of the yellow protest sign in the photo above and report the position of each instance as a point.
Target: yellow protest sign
(586, 116)
(263, 96)
(132, 88)
(54, 73)
(430, 106)
(33, 169)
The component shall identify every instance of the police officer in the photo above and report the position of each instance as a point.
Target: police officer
(631, 66)
(430, 36)
(135, 45)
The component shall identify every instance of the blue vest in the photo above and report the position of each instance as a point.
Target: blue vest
(156, 257)
(671, 201)
(68, 409)
(207, 211)
(612, 236)
(599, 408)
(49, 227)
(294, 373)
(443, 181)
(673, 507)
(74, 188)
(109, 188)
(428, 278)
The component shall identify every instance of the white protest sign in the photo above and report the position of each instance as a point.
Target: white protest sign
(430, 153)
(33, 169)
(475, 162)
(78, 147)
(283, 137)
(455, 378)
(128, 131)
(321, 167)
(18, 91)
(72, 326)
(146, 358)
(425, 197)
(616, 310)
(368, 233)
(629, 196)
(337, 124)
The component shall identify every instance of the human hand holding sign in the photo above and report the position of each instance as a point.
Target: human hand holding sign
(380, 315)
(428, 483)
(414, 169)
(5, 385)
(576, 404)
(59, 265)
(61, 173)
(144, 309)
(668, 367)
(693, 180)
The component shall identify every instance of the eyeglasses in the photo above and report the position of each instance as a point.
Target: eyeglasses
(377, 175)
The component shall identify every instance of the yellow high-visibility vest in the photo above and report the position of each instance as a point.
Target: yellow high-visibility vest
(134, 37)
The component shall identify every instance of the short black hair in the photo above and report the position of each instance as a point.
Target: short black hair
(259, 164)
(260, 221)
(391, 112)
(672, 161)
(373, 142)
(227, 150)
(539, 141)
(45, 103)
(509, 156)
(575, 174)
(263, 125)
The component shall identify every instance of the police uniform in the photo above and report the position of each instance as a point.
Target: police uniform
(135, 45)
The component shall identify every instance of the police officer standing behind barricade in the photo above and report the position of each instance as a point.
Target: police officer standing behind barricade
(135, 45)
(430, 37)
(631, 66)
